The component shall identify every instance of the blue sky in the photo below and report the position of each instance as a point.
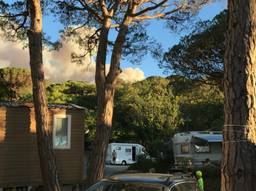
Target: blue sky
(157, 31)
(168, 38)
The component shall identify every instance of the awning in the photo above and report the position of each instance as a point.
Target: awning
(211, 138)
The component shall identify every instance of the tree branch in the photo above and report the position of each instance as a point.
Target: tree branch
(115, 70)
(150, 8)
(91, 11)
(158, 15)
(114, 8)
(104, 8)
(25, 13)
(22, 24)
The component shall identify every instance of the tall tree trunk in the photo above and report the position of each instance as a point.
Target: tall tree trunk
(105, 85)
(239, 145)
(43, 131)
(104, 111)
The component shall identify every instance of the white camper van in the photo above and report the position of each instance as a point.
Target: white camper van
(125, 153)
(198, 147)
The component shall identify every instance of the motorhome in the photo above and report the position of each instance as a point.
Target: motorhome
(123, 153)
(197, 147)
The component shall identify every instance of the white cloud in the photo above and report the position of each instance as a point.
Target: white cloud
(13, 54)
(132, 75)
(57, 64)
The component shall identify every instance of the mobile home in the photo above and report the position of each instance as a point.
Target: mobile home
(197, 146)
(126, 153)
(18, 144)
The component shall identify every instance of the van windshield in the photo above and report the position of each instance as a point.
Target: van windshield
(136, 186)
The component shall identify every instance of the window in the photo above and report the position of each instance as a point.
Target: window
(140, 186)
(128, 150)
(202, 148)
(184, 148)
(118, 148)
(62, 131)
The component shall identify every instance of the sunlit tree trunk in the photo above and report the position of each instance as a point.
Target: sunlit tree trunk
(44, 132)
(239, 146)
(105, 85)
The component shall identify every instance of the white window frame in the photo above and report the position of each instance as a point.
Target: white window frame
(69, 131)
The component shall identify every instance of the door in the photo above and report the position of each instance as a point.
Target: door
(133, 153)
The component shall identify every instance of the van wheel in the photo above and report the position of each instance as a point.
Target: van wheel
(123, 162)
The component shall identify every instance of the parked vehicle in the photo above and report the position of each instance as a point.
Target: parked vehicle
(123, 153)
(145, 182)
(196, 147)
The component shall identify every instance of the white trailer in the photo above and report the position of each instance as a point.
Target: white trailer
(197, 147)
(126, 153)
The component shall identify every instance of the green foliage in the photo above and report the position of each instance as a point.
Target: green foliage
(80, 93)
(143, 164)
(200, 54)
(146, 111)
(201, 104)
(14, 83)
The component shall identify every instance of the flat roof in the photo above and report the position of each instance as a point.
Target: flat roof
(50, 105)
(211, 138)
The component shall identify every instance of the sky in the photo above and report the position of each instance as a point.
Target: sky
(169, 38)
(58, 66)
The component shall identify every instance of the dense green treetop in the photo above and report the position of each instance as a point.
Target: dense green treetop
(200, 54)
(15, 84)
(201, 104)
(149, 111)
(145, 111)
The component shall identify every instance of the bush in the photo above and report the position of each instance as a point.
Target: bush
(143, 164)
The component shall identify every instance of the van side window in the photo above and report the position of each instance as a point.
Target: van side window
(62, 132)
(128, 150)
(184, 148)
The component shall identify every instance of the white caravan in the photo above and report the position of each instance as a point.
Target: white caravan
(198, 147)
(126, 153)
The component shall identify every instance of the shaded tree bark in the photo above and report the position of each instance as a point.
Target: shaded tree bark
(105, 85)
(43, 130)
(239, 164)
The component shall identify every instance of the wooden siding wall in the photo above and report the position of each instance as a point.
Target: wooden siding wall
(19, 162)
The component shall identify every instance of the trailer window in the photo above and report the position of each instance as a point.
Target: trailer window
(61, 131)
(184, 148)
(199, 148)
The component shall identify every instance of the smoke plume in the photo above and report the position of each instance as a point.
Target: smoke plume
(57, 63)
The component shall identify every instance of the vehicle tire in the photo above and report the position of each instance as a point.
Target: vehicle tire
(123, 162)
